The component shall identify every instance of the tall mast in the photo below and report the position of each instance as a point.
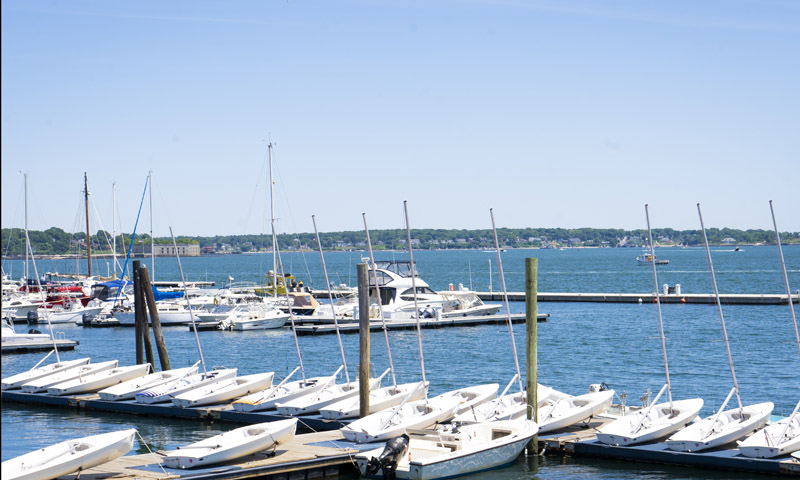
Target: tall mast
(153, 240)
(88, 235)
(27, 242)
(658, 304)
(785, 276)
(414, 288)
(113, 227)
(274, 238)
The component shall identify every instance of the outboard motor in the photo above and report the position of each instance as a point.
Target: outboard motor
(387, 460)
(33, 317)
(34, 331)
(87, 319)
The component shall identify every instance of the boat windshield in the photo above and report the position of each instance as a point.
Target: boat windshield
(400, 267)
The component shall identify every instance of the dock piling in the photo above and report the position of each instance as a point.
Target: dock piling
(531, 315)
(163, 357)
(363, 335)
(137, 311)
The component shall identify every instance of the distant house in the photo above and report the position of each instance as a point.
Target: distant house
(166, 249)
(728, 240)
(209, 250)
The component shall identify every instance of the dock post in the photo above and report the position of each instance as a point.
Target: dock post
(137, 313)
(147, 288)
(363, 337)
(531, 316)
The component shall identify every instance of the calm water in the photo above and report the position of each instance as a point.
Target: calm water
(580, 344)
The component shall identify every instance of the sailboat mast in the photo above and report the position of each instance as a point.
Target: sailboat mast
(27, 241)
(505, 300)
(153, 240)
(658, 304)
(274, 237)
(291, 318)
(188, 305)
(719, 307)
(113, 228)
(414, 288)
(330, 298)
(785, 276)
(378, 294)
(88, 235)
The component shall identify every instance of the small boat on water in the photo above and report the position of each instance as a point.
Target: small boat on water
(386, 424)
(453, 452)
(69, 457)
(232, 445)
(224, 390)
(256, 317)
(284, 392)
(127, 390)
(314, 402)
(505, 407)
(471, 397)
(43, 383)
(165, 391)
(722, 429)
(648, 259)
(561, 410)
(379, 399)
(99, 380)
(650, 423)
(16, 381)
(774, 440)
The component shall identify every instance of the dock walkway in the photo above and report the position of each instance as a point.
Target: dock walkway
(327, 327)
(702, 298)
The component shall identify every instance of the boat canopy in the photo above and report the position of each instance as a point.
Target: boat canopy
(157, 295)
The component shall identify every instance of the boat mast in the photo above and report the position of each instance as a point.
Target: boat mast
(27, 241)
(505, 301)
(414, 288)
(113, 227)
(658, 304)
(274, 237)
(88, 235)
(330, 298)
(378, 294)
(785, 276)
(291, 318)
(719, 309)
(152, 240)
(188, 305)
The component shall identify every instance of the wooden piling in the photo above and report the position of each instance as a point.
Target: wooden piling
(144, 277)
(137, 309)
(363, 336)
(141, 315)
(531, 315)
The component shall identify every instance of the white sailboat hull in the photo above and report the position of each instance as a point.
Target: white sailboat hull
(270, 397)
(99, 380)
(16, 381)
(560, 413)
(165, 392)
(43, 383)
(69, 457)
(506, 407)
(127, 390)
(471, 397)
(767, 443)
(730, 427)
(386, 424)
(379, 399)
(232, 445)
(312, 403)
(224, 391)
(660, 422)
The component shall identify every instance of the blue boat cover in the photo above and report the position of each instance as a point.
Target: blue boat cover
(165, 295)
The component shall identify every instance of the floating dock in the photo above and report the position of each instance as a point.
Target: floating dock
(28, 347)
(327, 327)
(702, 298)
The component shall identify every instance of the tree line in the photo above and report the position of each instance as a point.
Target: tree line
(55, 241)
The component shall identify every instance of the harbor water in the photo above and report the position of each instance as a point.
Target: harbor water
(580, 344)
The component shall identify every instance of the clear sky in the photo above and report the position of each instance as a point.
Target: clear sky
(555, 113)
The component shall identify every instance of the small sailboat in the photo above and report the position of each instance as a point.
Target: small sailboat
(561, 410)
(69, 457)
(314, 402)
(471, 397)
(774, 440)
(505, 407)
(166, 391)
(379, 399)
(99, 380)
(657, 420)
(232, 445)
(462, 450)
(282, 393)
(16, 381)
(224, 390)
(43, 383)
(127, 390)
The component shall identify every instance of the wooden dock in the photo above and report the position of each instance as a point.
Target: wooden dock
(327, 327)
(701, 298)
(62, 344)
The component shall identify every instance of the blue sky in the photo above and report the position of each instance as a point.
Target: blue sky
(554, 113)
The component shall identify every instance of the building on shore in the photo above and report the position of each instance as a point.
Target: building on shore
(166, 250)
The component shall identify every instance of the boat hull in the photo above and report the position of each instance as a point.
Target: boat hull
(758, 445)
(100, 380)
(658, 424)
(269, 398)
(43, 383)
(224, 391)
(578, 409)
(128, 390)
(698, 436)
(16, 381)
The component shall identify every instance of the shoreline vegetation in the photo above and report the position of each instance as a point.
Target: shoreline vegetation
(56, 243)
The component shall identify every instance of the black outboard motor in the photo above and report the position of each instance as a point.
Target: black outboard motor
(387, 460)
(87, 319)
(33, 330)
(33, 317)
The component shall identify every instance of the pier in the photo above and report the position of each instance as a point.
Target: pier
(43, 346)
(325, 325)
(700, 298)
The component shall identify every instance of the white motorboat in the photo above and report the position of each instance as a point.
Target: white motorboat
(127, 390)
(257, 317)
(314, 402)
(69, 457)
(561, 410)
(379, 399)
(99, 380)
(169, 313)
(43, 383)
(70, 314)
(165, 391)
(224, 390)
(33, 339)
(282, 393)
(16, 381)
(504, 407)
(721, 429)
(386, 424)
(647, 258)
(774, 440)
(471, 397)
(650, 423)
(462, 450)
(232, 445)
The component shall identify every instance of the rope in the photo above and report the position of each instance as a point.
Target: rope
(158, 460)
